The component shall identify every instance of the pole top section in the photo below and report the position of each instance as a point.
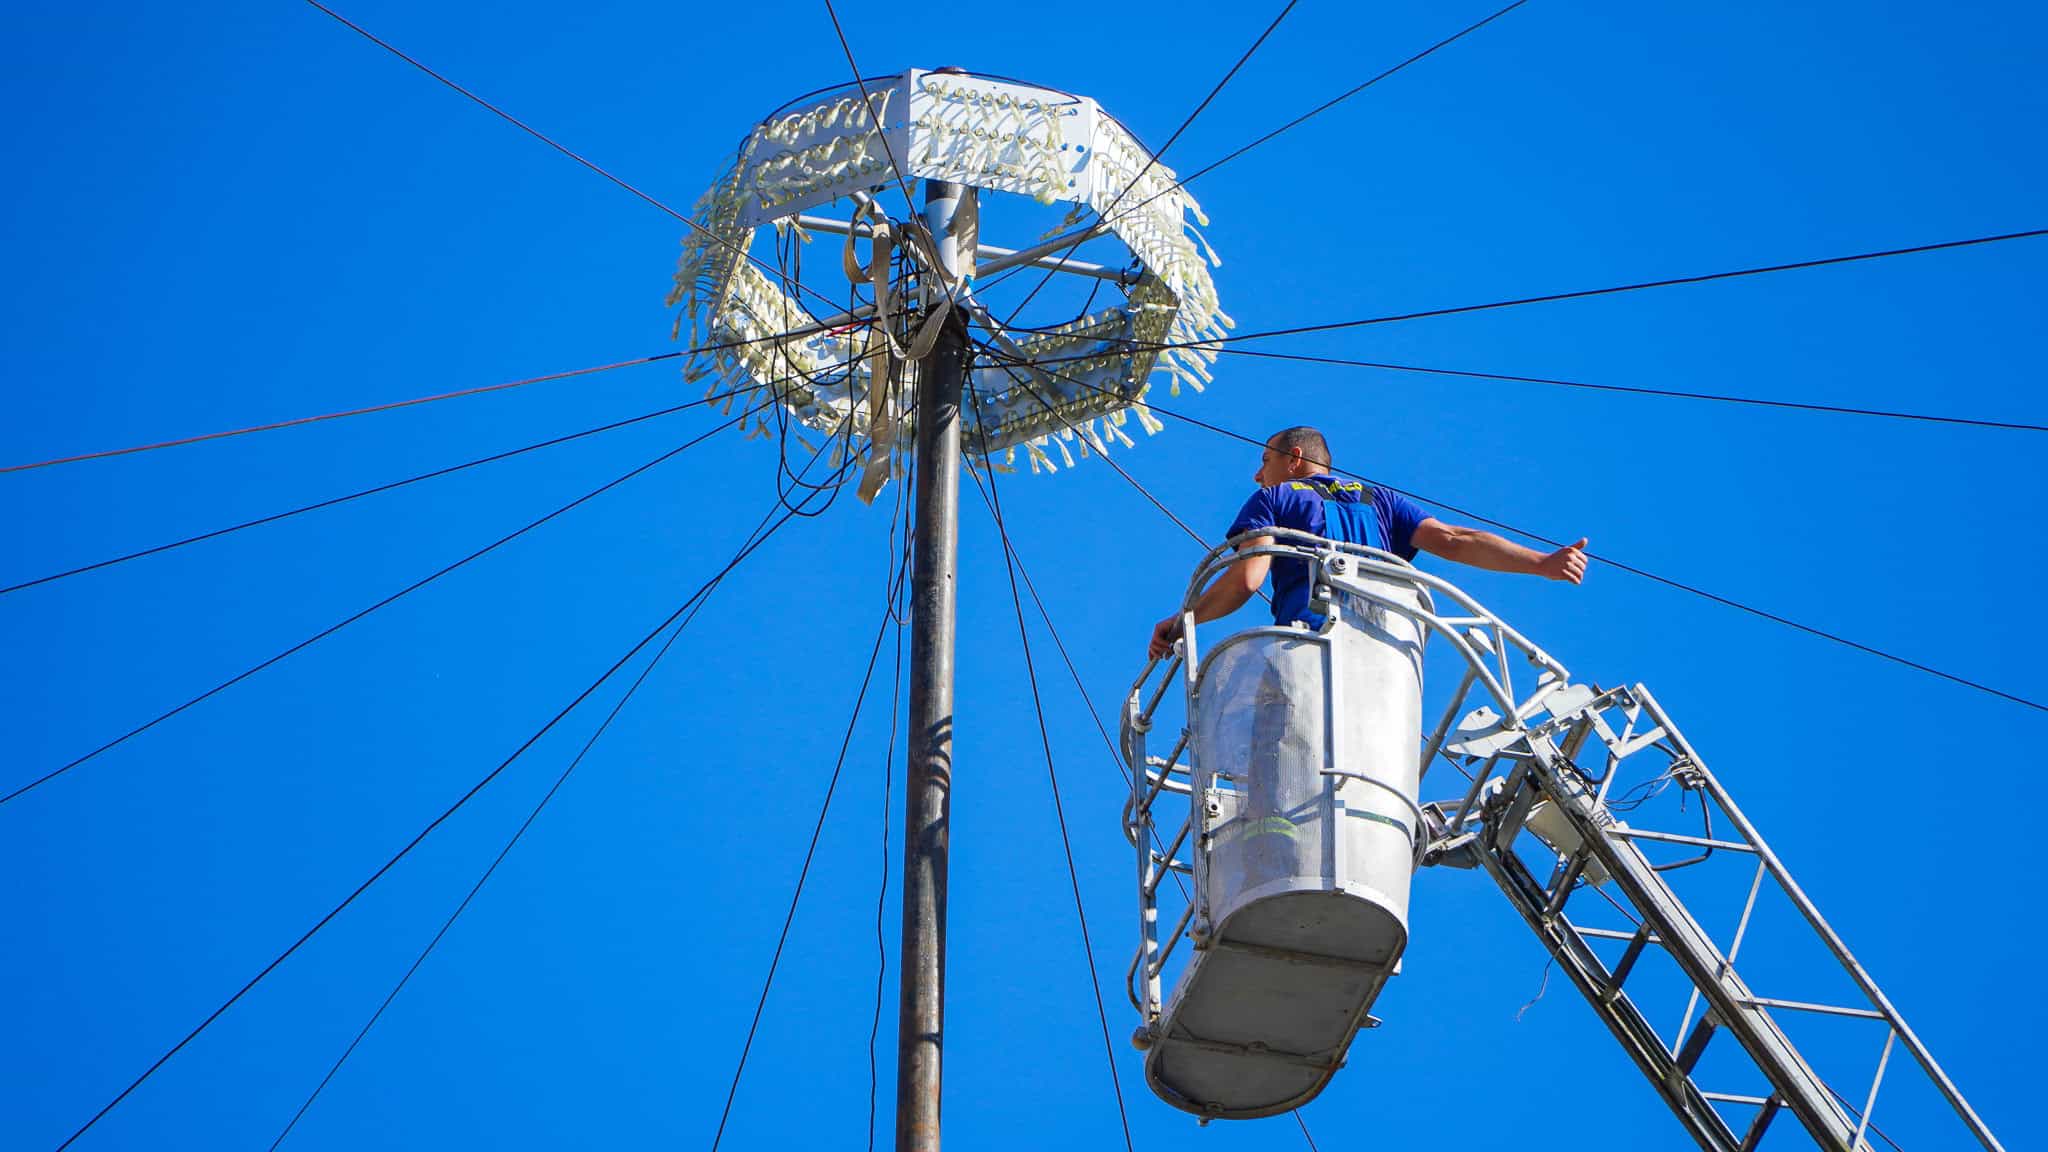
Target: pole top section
(1051, 387)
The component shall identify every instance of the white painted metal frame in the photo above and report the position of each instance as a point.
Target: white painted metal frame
(992, 134)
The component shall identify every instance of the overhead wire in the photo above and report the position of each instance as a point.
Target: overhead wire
(899, 613)
(416, 400)
(1197, 537)
(1006, 364)
(793, 101)
(1181, 182)
(358, 495)
(1304, 1130)
(1152, 160)
(386, 407)
(1329, 104)
(1242, 59)
(1080, 686)
(803, 875)
(1219, 342)
(882, 892)
(1052, 778)
(867, 101)
(1636, 390)
(352, 618)
(435, 823)
(1668, 282)
(837, 441)
(946, 285)
(1857, 1114)
(789, 480)
(534, 132)
(1626, 914)
(997, 353)
(1056, 326)
(468, 897)
(533, 815)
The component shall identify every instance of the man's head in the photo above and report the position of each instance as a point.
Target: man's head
(1292, 454)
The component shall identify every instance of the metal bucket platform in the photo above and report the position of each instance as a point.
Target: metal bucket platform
(1301, 797)
(1262, 1016)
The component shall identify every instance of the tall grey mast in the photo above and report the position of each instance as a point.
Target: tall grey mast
(921, 1005)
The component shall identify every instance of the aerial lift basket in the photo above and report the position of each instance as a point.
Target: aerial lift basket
(1304, 829)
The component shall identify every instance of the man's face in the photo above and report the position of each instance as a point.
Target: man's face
(1277, 466)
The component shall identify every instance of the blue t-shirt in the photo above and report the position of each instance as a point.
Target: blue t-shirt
(1326, 506)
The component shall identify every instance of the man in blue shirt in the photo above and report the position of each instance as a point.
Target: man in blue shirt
(1297, 490)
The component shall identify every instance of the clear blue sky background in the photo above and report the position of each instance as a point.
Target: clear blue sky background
(241, 212)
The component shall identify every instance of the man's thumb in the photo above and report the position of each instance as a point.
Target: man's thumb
(1581, 545)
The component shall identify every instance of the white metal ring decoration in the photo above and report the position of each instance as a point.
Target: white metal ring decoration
(993, 134)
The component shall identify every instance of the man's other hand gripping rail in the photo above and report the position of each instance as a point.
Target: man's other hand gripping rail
(1298, 491)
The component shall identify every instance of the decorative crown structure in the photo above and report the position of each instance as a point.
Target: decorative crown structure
(1085, 378)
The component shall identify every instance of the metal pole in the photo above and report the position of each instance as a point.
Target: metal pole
(921, 1004)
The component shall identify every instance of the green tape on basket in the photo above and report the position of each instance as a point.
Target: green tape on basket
(1272, 826)
(1376, 818)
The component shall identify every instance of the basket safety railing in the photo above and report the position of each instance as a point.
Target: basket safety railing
(1484, 640)
(1551, 768)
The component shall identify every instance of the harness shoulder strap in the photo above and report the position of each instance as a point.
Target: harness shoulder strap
(1346, 509)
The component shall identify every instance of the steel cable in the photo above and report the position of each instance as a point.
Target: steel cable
(345, 622)
(1242, 59)
(899, 615)
(1080, 687)
(1153, 160)
(701, 599)
(1633, 390)
(867, 101)
(396, 404)
(411, 844)
(1218, 342)
(997, 353)
(1053, 781)
(1329, 104)
(294, 423)
(1669, 282)
(803, 875)
(1304, 1130)
(539, 135)
(1857, 1114)
(395, 484)
(1182, 182)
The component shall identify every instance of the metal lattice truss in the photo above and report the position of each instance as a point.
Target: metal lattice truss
(834, 373)
(1591, 811)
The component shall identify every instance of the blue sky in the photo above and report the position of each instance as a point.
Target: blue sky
(242, 212)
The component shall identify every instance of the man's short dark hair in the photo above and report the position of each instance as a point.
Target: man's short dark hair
(1305, 440)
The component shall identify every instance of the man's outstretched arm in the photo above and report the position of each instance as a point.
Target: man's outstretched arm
(1496, 554)
(1224, 595)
